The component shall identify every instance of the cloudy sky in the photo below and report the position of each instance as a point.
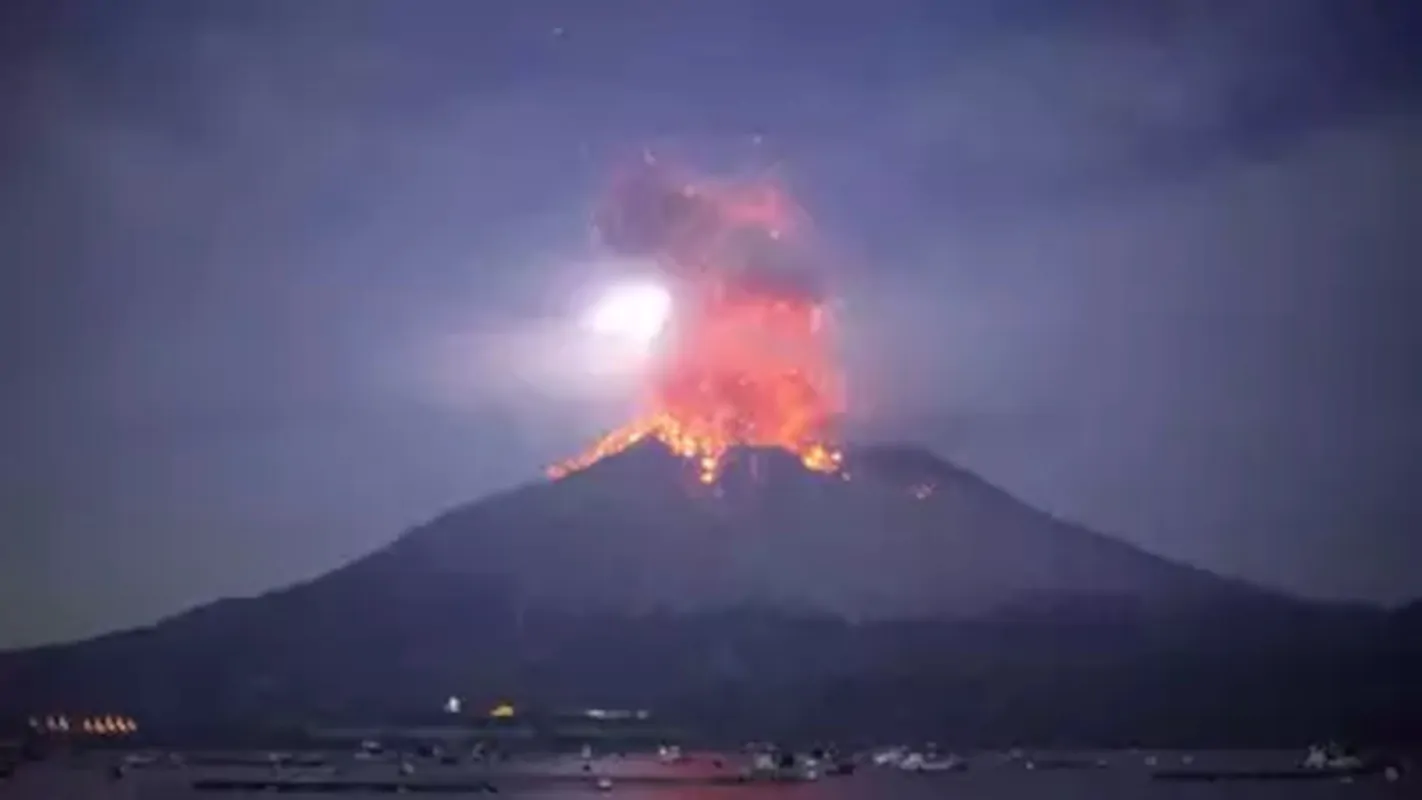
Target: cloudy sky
(282, 278)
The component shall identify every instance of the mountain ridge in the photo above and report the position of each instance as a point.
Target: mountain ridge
(757, 605)
(766, 510)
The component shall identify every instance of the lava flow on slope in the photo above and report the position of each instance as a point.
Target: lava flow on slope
(747, 357)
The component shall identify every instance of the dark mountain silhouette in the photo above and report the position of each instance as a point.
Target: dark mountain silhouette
(909, 598)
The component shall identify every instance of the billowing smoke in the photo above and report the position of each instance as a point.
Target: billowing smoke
(734, 234)
(748, 359)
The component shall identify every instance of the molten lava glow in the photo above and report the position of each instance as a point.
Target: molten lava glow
(746, 357)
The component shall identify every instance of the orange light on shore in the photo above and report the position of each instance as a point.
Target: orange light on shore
(99, 725)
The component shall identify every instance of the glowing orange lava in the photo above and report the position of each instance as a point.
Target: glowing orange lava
(748, 358)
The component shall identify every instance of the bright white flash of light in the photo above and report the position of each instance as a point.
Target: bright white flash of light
(636, 312)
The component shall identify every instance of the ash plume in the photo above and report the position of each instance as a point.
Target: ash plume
(736, 232)
(748, 359)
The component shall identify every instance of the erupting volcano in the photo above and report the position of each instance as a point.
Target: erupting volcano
(747, 357)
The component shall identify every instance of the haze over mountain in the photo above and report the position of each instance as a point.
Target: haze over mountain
(905, 596)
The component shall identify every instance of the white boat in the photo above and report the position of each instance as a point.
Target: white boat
(785, 767)
(918, 762)
(891, 757)
(1330, 757)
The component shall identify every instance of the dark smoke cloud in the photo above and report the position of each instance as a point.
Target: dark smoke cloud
(648, 214)
(651, 213)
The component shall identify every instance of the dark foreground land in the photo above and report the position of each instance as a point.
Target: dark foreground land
(989, 777)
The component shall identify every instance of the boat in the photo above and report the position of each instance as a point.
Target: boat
(890, 757)
(1331, 757)
(784, 767)
(918, 762)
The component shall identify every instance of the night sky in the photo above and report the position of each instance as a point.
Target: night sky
(282, 278)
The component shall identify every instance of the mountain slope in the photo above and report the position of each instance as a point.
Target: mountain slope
(910, 597)
(907, 536)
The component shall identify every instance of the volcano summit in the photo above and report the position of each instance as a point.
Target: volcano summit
(893, 533)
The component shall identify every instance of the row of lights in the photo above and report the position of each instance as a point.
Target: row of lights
(613, 714)
(99, 726)
(454, 705)
(506, 711)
